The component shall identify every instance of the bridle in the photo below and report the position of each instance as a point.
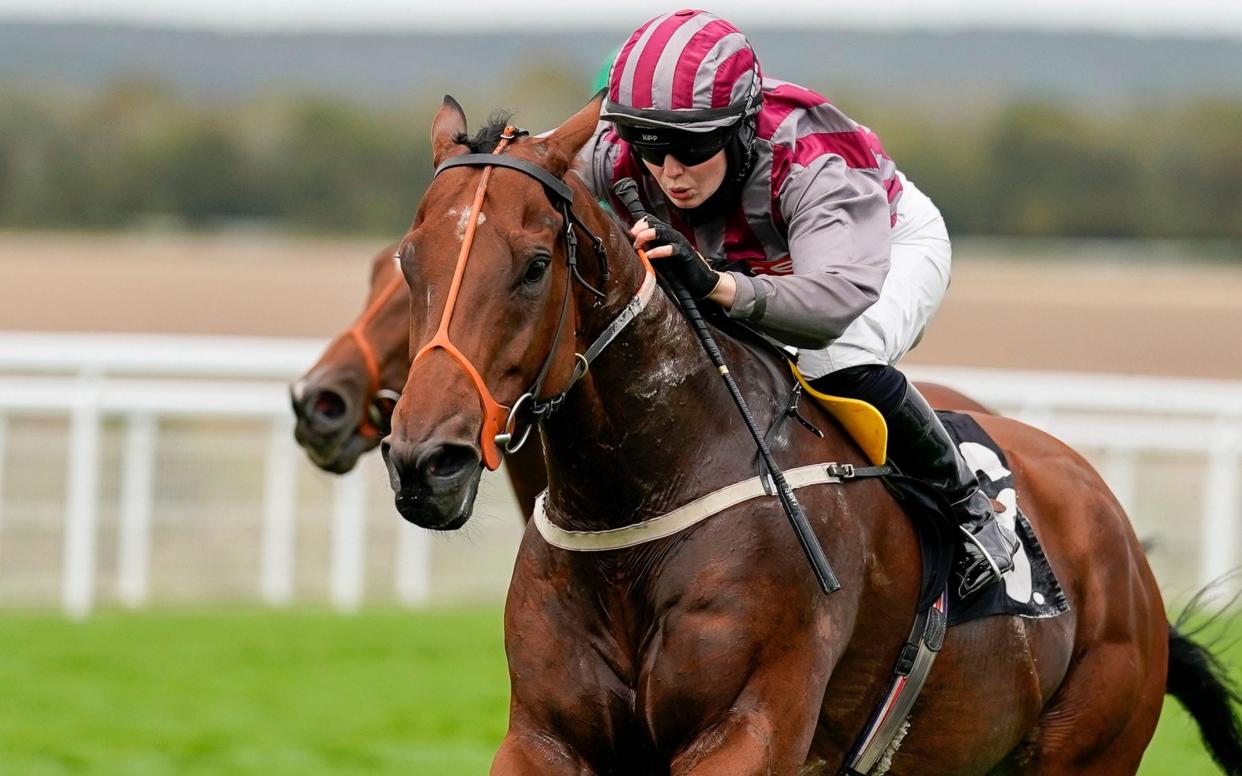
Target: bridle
(376, 421)
(500, 422)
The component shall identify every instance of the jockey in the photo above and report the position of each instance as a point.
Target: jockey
(814, 236)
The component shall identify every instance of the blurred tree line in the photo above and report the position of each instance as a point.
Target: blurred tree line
(138, 155)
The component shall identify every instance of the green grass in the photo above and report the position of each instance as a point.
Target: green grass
(252, 692)
(256, 692)
(1176, 748)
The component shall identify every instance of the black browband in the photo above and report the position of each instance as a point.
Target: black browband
(563, 193)
(556, 185)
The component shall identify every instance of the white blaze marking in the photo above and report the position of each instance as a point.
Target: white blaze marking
(463, 217)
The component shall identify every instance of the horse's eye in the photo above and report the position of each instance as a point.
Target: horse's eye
(535, 271)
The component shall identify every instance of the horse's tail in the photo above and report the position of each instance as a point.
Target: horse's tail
(1202, 685)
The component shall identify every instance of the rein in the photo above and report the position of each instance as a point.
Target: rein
(500, 422)
(375, 421)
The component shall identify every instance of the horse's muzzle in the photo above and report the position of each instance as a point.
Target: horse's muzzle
(327, 418)
(435, 483)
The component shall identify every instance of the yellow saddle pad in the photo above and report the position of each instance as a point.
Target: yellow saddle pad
(861, 420)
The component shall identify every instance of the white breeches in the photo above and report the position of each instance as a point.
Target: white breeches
(916, 283)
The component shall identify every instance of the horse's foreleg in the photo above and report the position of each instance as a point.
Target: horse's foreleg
(742, 745)
(770, 663)
(752, 743)
(529, 754)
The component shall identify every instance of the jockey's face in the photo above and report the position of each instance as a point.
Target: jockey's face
(688, 187)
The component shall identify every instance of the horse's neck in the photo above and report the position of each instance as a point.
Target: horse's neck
(651, 426)
(390, 332)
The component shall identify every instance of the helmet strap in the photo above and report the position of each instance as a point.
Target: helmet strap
(740, 152)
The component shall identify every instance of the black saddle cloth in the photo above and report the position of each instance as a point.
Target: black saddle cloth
(1031, 588)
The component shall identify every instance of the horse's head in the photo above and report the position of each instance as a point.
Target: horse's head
(344, 403)
(498, 315)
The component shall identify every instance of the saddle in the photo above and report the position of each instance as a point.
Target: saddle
(860, 420)
(1030, 589)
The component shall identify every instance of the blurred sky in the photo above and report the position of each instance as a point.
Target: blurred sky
(1185, 17)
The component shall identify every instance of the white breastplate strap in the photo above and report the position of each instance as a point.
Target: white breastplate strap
(679, 519)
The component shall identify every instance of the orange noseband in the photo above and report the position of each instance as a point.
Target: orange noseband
(494, 413)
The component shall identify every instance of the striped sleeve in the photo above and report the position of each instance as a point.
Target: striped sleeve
(831, 198)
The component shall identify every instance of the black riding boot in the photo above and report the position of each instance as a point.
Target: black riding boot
(925, 451)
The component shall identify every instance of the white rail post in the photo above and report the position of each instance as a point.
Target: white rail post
(1218, 545)
(280, 497)
(82, 499)
(348, 539)
(137, 495)
(413, 565)
(4, 437)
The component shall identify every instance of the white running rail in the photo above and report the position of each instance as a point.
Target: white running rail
(145, 379)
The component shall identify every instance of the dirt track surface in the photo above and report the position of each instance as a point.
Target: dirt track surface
(1054, 314)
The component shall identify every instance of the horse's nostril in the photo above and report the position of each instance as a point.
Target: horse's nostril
(448, 461)
(327, 404)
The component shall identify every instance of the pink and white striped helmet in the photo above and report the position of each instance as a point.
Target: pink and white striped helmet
(687, 70)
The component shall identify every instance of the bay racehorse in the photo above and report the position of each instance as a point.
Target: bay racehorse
(343, 404)
(713, 651)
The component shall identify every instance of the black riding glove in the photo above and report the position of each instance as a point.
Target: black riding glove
(686, 264)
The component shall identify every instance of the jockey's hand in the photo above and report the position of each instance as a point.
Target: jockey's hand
(670, 251)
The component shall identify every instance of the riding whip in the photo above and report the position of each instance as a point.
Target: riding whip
(627, 191)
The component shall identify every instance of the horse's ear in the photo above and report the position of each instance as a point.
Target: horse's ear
(449, 124)
(566, 140)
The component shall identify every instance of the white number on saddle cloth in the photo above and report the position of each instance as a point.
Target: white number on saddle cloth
(1018, 582)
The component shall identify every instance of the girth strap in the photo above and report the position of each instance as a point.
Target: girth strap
(890, 719)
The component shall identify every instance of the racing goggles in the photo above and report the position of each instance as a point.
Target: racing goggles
(689, 148)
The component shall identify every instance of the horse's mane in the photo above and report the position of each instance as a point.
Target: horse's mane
(762, 345)
(486, 139)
